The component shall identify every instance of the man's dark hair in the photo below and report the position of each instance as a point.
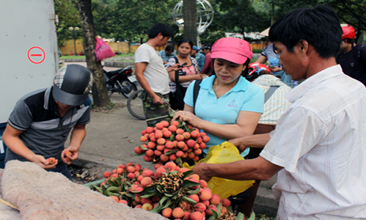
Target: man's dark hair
(319, 26)
(164, 29)
(169, 48)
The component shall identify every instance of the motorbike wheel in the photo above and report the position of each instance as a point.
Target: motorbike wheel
(135, 106)
(130, 88)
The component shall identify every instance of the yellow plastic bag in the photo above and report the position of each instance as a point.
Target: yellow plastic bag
(224, 153)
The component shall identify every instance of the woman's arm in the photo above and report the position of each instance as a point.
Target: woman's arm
(246, 124)
(186, 78)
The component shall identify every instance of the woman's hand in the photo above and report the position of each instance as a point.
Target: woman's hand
(188, 117)
(239, 143)
(174, 68)
(198, 76)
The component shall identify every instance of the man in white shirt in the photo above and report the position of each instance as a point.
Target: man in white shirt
(152, 75)
(318, 146)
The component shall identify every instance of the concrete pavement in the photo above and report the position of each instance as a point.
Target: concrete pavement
(112, 136)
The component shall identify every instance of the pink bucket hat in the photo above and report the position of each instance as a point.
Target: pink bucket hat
(232, 49)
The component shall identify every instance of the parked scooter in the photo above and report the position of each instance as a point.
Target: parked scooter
(121, 81)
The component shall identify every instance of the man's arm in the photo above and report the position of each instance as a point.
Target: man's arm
(262, 59)
(252, 141)
(77, 136)
(13, 142)
(254, 169)
(140, 68)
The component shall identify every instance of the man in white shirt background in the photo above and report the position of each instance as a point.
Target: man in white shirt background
(318, 146)
(152, 75)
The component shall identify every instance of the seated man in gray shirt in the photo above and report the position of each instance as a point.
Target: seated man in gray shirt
(41, 121)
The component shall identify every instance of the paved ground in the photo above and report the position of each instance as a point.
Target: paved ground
(111, 138)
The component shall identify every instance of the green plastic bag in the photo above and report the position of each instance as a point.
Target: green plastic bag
(224, 153)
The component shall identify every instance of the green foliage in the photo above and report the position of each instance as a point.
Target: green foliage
(68, 16)
(236, 16)
(130, 19)
(349, 11)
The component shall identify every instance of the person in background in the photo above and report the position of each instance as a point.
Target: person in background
(42, 120)
(352, 56)
(208, 67)
(186, 74)
(269, 55)
(167, 53)
(228, 106)
(275, 104)
(152, 75)
(318, 146)
(199, 57)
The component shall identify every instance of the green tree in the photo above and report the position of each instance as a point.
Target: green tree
(100, 95)
(236, 16)
(130, 19)
(349, 11)
(68, 16)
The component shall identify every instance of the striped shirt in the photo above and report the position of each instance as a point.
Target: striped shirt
(44, 130)
(321, 144)
(277, 104)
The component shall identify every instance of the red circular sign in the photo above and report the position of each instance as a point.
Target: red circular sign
(36, 55)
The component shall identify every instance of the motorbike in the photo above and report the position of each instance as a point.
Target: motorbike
(121, 81)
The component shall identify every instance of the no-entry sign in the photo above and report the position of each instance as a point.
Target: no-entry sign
(36, 55)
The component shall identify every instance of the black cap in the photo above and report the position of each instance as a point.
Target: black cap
(206, 46)
(72, 85)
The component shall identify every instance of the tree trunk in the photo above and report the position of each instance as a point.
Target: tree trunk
(190, 20)
(100, 95)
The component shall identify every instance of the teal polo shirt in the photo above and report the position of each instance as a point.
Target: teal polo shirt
(244, 96)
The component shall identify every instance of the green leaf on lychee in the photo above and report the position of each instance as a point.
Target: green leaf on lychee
(187, 173)
(240, 216)
(214, 213)
(97, 188)
(147, 195)
(188, 183)
(113, 189)
(194, 191)
(142, 146)
(167, 204)
(157, 209)
(189, 199)
(219, 208)
(163, 200)
(171, 152)
(179, 160)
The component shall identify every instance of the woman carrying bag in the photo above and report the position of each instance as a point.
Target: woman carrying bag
(180, 80)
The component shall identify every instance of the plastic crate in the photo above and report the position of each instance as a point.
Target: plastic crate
(2, 146)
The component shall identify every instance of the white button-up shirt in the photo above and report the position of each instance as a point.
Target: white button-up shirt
(321, 143)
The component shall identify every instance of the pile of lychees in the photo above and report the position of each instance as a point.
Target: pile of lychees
(175, 141)
(173, 192)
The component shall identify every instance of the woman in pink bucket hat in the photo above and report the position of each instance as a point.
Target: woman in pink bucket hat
(227, 106)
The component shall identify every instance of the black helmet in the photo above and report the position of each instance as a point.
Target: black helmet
(72, 85)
